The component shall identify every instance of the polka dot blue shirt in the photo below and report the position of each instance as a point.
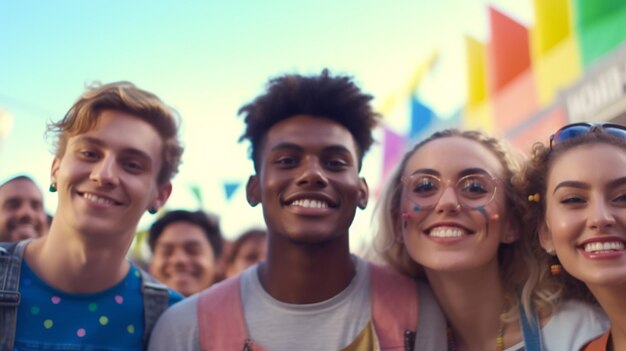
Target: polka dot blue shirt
(49, 319)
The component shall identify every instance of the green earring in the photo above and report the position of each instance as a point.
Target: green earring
(152, 210)
(53, 187)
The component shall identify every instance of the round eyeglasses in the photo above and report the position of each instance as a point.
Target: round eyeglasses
(473, 192)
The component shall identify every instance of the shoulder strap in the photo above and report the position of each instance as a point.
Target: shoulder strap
(221, 322)
(531, 331)
(11, 255)
(431, 334)
(156, 299)
(394, 308)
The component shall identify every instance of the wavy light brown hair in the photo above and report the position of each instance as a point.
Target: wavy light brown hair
(125, 97)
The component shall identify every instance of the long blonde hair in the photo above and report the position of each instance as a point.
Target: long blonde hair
(519, 271)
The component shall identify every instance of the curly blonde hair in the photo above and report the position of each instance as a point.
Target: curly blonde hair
(516, 262)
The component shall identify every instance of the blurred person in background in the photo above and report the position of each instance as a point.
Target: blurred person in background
(186, 247)
(249, 248)
(22, 215)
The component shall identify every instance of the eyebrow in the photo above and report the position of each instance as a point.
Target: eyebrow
(286, 146)
(295, 147)
(189, 242)
(88, 140)
(337, 148)
(130, 151)
(617, 182)
(461, 174)
(475, 170)
(571, 184)
(426, 171)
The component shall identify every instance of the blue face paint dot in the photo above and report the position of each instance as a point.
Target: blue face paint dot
(416, 208)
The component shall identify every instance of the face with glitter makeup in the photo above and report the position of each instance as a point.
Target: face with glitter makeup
(585, 219)
(451, 235)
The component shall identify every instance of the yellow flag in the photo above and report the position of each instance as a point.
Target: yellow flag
(554, 48)
(552, 24)
(476, 71)
(477, 113)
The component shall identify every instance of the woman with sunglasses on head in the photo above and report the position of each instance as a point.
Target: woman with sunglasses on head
(578, 188)
(450, 215)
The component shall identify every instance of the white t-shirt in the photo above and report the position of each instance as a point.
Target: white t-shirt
(327, 325)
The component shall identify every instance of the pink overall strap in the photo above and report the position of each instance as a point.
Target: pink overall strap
(394, 307)
(221, 324)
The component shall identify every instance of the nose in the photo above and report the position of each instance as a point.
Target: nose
(312, 175)
(600, 216)
(104, 172)
(448, 202)
(179, 257)
(26, 213)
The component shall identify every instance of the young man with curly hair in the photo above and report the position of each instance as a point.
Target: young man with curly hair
(308, 136)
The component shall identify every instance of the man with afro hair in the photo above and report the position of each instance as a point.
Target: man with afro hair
(308, 136)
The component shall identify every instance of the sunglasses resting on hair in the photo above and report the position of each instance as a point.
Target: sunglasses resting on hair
(575, 130)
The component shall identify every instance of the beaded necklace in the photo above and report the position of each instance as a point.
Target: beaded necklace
(499, 339)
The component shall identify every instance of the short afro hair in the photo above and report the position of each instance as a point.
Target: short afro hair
(325, 96)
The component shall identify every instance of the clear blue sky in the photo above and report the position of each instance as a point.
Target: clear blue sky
(207, 58)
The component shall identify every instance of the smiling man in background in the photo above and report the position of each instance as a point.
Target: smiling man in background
(22, 214)
(186, 247)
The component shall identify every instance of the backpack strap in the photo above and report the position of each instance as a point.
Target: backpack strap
(221, 321)
(156, 299)
(531, 331)
(394, 308)
(432, 332)
(11, 255)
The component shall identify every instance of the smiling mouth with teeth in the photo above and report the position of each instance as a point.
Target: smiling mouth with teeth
(98, 199)
(310, 203)
(446, 232)
(599, 247)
